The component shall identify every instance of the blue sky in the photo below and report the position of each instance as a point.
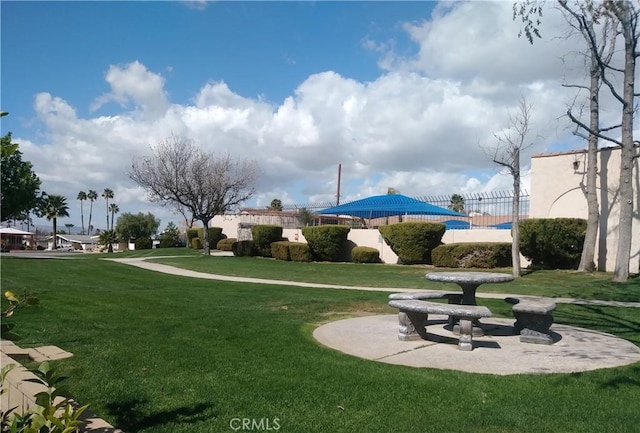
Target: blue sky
(405, 95)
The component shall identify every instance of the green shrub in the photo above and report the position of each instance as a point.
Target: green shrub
(215, 235)
(243, 248)
(365, 255)
(300, 252)
(553, 243)
(472, 255)
(167, 242)
(143, 243)
(263, 236)
(280, 250)
(327, 243)
(225, 244)
(196, 244)
(413, 242)
(191, 234)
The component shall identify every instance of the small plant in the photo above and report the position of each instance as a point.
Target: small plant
(299, 252)
(264, 236)
(15, 302)
(54, 411)
(143, 243)
(413, 242)
(243, 248)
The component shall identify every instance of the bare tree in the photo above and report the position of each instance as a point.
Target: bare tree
(180, 173)
(603, 46)
(624, 16)
(506, 153)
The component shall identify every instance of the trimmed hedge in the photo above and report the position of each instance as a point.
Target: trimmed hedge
(191, 234)
(196, 244)
(300, 252)
(553, 243)
(143, 243)
(327, 243)
(365, 255)
(215, 236)
(473, 255)
(280, 250)
(243, 248)
(225, 244)
(264, 235)
(413, 242)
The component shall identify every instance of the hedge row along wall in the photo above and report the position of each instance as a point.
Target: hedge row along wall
(472, 255)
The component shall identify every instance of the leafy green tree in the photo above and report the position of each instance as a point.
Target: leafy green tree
(19, 184)
(82, 196)
(91, 196)
(170, 236)
(53, 207)
(276, 204)
(130, 226)
(457, 203)
(306, 217)
(107, 194)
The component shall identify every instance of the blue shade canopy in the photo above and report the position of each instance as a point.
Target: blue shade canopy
(502, 226)
(456, 225)
(387, 205)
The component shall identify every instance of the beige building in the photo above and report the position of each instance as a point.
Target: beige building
(557, 182)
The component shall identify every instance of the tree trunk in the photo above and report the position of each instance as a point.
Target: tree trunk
(82, 216)
(587, 263)
(55, 233)
(515, 217)
(205, 243)
(623, 254)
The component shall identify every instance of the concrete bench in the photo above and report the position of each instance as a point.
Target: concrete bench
(423, 295)
(533, 319)
(414, 314)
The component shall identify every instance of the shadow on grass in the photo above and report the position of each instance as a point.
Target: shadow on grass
(603, 319)
(130, 416)
(624, 380)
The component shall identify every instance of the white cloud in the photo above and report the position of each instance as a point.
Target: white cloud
(420, 127)
(134, 83)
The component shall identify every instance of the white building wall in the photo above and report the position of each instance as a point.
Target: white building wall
(557, 191)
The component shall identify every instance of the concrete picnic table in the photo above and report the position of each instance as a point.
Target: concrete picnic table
(469, 281)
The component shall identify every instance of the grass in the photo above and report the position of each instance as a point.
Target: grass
(542, 283)
(161, 353)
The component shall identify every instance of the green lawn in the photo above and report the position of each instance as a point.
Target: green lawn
(160, 353)
(543, 283)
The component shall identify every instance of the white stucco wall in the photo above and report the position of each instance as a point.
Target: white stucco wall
(556, 191)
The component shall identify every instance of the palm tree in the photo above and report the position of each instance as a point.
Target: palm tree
(114, 210)
(82, 196)
(457, 203)
(91, 196)
(54, 207)
(107, 194)
(107, 239)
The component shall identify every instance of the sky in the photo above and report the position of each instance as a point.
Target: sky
(403, 95)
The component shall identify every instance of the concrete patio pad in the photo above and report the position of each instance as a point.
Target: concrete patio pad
(499, 352)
